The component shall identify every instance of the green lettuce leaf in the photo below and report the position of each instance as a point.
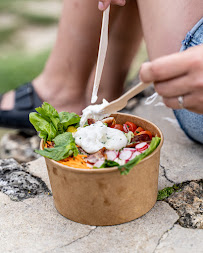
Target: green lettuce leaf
(46, 128)
(49, 113)
(49, 123)
(68, 119)
(64, 147)
(125, 169)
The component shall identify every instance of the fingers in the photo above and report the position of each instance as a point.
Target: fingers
(174, 87)
(186, 86)
(173, 102)
(171, 66)
(192, 102)
(103, 4)
(175, 75)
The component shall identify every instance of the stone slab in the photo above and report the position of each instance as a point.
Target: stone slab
(38, 168)
(181, 158)
(181, 240)
(34, 225)
(163, 181)
(141, 235)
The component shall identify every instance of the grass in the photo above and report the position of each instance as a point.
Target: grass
(7, 5)
(16, 67)
(19, 68)
(6, 34)
(38, 19)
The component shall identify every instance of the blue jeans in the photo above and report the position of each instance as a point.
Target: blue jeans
(190, 122)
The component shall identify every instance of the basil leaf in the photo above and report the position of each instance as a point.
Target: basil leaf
(125, 169)
(64, 147)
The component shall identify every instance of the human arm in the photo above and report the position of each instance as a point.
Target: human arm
(175, 75)
(103, 4)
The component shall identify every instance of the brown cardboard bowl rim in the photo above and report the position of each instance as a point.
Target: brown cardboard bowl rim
(106, 170)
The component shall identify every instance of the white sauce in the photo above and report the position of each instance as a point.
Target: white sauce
(93, 112)
(96, 136)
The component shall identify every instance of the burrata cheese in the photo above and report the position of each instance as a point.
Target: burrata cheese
(96, 136)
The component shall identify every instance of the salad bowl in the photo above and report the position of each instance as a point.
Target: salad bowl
(104, 196)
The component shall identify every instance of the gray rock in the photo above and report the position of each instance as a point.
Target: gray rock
(189, 205)
(181, 240)
(19, 146)
(18, 183)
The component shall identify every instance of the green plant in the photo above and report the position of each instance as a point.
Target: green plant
(166, 192)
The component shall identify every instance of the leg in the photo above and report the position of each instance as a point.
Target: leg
(64, 78)
(124, 41)
(74, 55)
(165, 23)
(169, 23)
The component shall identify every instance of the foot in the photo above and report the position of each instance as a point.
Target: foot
(60, 96)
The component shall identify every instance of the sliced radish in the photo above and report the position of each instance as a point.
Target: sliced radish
(141, 146)
(111, 154)
(125, 155)
(136, 153)
(125, 128)
(142, 150)
(119, 161)
(129, 149)
(99, 163)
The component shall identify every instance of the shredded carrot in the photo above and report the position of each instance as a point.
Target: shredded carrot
(75, 162)
(49, 144)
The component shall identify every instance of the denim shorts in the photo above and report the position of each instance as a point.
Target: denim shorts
(190, 122)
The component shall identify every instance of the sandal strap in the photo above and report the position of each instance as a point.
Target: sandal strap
(26, 98)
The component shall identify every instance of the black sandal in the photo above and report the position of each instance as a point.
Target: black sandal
(26, 100)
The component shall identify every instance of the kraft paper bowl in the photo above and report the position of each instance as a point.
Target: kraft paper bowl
(103, 196)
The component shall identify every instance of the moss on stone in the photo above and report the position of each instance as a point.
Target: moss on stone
(166, 192)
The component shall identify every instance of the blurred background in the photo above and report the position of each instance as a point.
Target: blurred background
(28, 30)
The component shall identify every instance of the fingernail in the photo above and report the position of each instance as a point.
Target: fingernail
(101, 6)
